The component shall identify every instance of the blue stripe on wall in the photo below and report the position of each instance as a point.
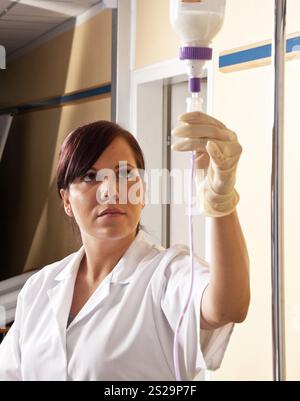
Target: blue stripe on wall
(293, 45)
(59, 100)
(256, 53)
(245, 56)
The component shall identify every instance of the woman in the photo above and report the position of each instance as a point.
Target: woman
(109, 311)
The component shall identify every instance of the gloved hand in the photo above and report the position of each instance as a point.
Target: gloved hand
(217, 153)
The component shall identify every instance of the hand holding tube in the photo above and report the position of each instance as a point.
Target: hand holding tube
(217, 152)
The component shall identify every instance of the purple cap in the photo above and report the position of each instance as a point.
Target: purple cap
(195, 53)
(194, 85)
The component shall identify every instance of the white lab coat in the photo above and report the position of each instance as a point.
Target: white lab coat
(125, 331)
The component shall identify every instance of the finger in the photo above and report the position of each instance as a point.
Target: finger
(190, 145)
(225, 158)
(202, 161)
(196, 117)
(204, 131)
(228, 149)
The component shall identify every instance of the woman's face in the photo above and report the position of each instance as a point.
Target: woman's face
(108, 184)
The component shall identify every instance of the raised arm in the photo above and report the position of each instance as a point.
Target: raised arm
(226, 298)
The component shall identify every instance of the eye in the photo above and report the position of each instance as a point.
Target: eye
(89, 177)
(125, 173)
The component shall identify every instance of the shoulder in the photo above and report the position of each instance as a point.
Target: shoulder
(48, 273)
(177, 253)
(174, 257)
(171, 268)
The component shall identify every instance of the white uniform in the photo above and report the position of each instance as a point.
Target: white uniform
(125, 330)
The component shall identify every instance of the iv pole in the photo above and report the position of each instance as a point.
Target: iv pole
(277, 195)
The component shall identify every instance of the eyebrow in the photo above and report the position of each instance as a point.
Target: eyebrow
(116, 166)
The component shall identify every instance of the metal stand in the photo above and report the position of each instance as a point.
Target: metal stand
(277, 208)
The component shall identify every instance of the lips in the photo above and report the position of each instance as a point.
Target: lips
(111, 211)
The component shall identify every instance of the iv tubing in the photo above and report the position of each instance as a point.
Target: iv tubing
(191, 240)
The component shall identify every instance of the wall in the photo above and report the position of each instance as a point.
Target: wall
(242, 99)
(155, 40)
(77, 59)
(35, 229)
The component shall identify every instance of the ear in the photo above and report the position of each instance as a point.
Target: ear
(66, 201)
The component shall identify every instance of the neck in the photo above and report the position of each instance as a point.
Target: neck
(101, 256)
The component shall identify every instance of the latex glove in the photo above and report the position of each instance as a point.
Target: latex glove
(217, 153)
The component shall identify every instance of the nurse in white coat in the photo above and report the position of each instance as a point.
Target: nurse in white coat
(109, 311)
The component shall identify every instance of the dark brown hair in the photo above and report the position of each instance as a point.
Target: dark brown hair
(83, 146)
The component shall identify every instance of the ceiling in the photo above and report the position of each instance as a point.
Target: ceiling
(24, 21)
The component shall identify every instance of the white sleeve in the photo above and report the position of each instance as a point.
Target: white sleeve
(195, 353)
(10, 355)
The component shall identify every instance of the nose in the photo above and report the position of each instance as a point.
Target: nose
(107, 191)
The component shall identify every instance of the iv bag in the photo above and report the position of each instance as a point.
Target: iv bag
(197, 22)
